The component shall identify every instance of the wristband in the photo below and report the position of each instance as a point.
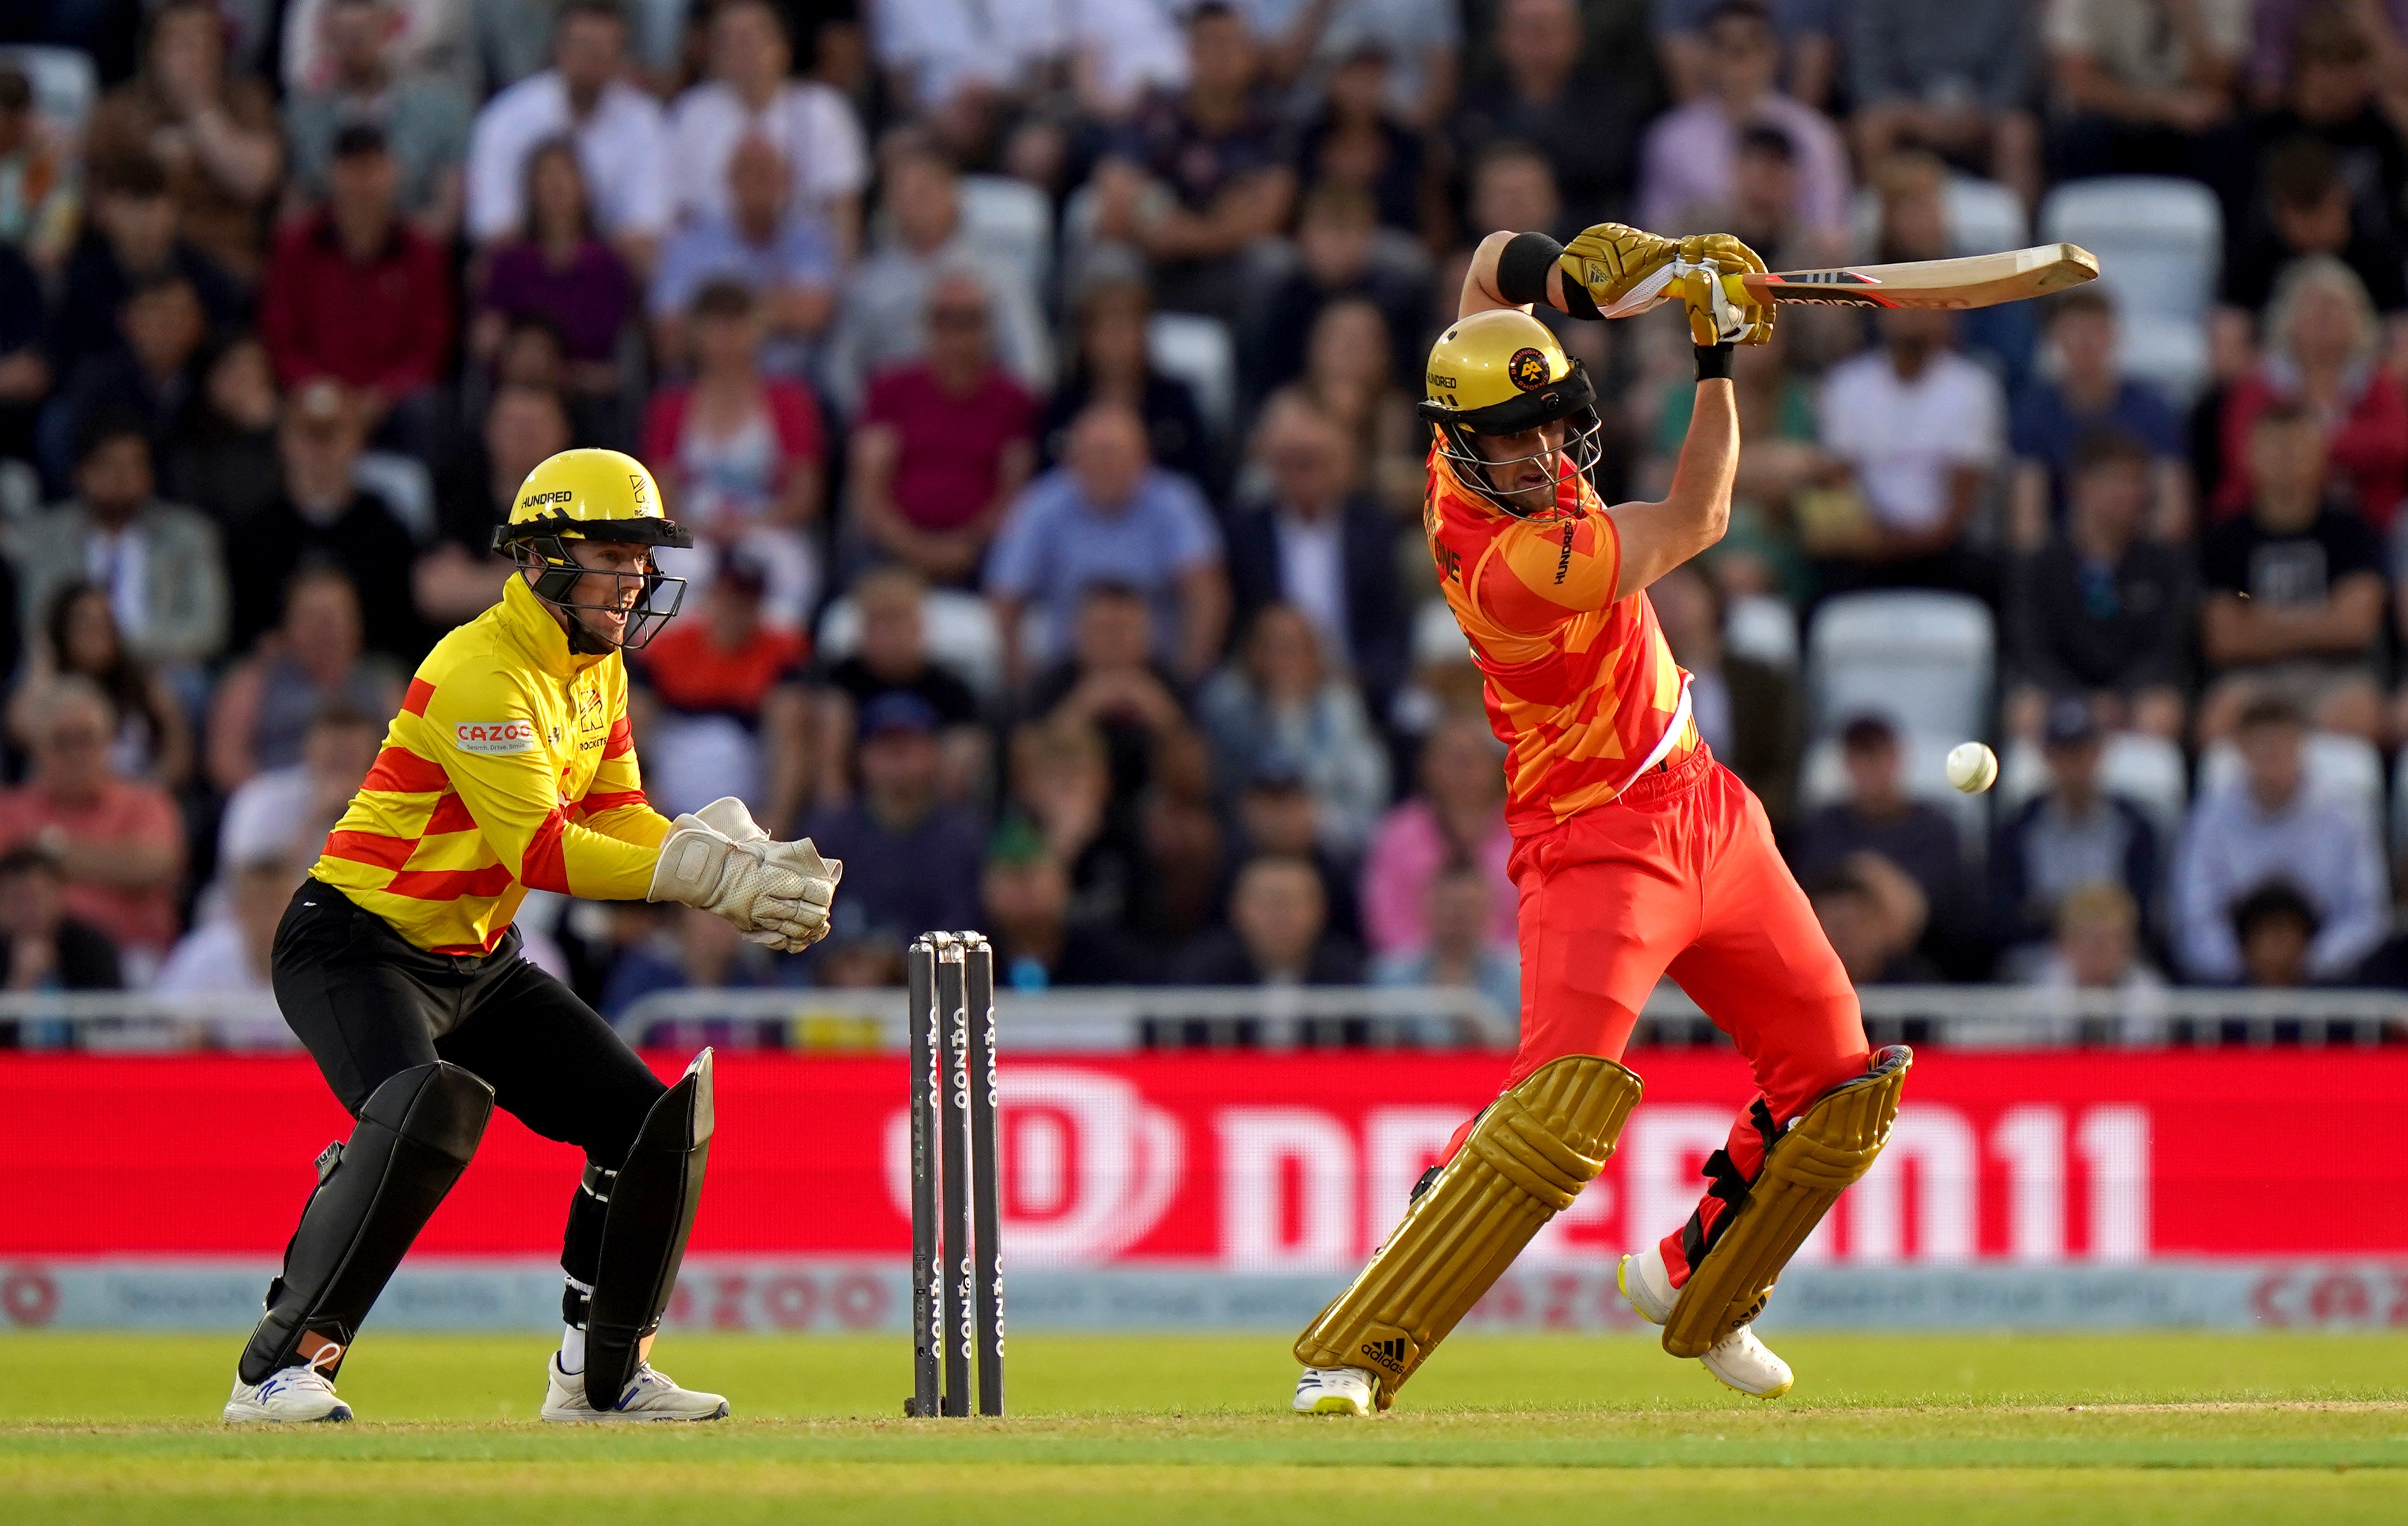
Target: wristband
(1713, 360)
(1522, 264)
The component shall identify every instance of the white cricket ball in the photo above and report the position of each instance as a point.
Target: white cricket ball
(1971, 767)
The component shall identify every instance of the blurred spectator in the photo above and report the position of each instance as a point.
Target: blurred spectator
(762, 240)
(213, 132)
(120, 843)
(911, 862)
(1350, 374)
(25, 369)
(690, 950)
(1460, 952)
(1782, 461)
(1324, 552)
(2056, 415)
(1110, 679)
(711, 681)
(1807, 51)
(943, 446)
(228, 955)
(1025, 894)
(2341, 85)
(1108, 515)
(357, 296)
(621, 134)
(741, 453)
(155, 375)
(43, 946)
(1541, 94)
(2267, 825)
(1878, 818)
(891, 657)
(1359, 139)
(1417, 41)
(423, 36)
(285, 813)
(1279, 814)
(261, 712)
(750, 95)
(80, 638)
(882, 321)
(562, 273)
(1957, 79)
(1747, 710)
(223, 460)
(160, 562)
(424, 116)
(1060, 780)
(1281, 703)
(2146, 87)
(2100, 611)
(1460, 813)
(2074, 834)
(132, 235)
(2097, 949)
(2282, 29)
(2323, 345)
(2276, 929)
(461, 576)
(40, 193)
(2309, 212)
(1338, 257)
(2295, 591)
(1277, 935)
(1201, 174)
(1109, 362)
(1690, 164)
(323, 515)
(1920, 428)
(1874, 915)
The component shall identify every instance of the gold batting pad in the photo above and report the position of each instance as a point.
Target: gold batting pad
(1523, 1163)
(1832, 1144)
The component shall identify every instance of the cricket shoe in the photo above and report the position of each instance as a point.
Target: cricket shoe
(648, 1396)
(290, 1395)
(1738, 1361)
(1335, 1390)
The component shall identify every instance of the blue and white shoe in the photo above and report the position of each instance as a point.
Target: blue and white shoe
(300, 1395)
(648, 1396)
(1334, 1391)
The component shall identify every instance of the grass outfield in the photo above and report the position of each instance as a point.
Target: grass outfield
(2174, 1428)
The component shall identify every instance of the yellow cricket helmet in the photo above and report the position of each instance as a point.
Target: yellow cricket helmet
(1500, 373)
(592, 495)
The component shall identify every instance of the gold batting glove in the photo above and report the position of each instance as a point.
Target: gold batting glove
(1614, 264)
(1709, 271)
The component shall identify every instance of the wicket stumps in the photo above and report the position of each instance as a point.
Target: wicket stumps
(957, 1264)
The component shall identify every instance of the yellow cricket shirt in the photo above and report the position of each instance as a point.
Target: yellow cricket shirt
(509, 769)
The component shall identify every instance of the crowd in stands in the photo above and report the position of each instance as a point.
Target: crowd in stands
(1039, 377)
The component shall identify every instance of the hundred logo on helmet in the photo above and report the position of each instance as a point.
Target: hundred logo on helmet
(594, 495)
(1502, 373)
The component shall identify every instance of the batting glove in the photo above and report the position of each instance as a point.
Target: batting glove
(1709, 271)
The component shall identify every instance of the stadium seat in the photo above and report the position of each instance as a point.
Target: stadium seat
(65, 84)
(2158, 242)
(2146, 771)
(1437, 639)
(961, 636)
(406, 487)
(1984, 217)
(1823, 780)
(1761, 626)
(1199, 352)
(1922, 658)
(2346, 769)
(20, 491)
(1010, 219)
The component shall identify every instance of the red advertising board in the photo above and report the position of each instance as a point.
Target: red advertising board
(1272, 1162)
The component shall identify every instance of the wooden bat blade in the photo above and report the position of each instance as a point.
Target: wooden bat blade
(1976, 280)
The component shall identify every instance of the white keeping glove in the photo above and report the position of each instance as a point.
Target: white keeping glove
(701, 867)
(728, 816)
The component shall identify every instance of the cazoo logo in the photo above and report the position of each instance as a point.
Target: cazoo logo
(495, 737)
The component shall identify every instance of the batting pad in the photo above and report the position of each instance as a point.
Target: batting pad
(1832, 1144)
(1526, 1160)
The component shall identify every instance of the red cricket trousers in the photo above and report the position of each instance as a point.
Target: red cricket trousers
(1680, 876)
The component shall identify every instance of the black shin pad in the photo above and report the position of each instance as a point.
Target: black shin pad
(644, 1232)
(375, 1192)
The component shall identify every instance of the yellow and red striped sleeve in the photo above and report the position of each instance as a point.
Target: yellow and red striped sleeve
(614, 805)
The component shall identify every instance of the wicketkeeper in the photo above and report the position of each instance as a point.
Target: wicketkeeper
(1635, 853)
(510, 769)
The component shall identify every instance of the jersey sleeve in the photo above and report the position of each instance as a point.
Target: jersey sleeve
(486, 732)
(1535, 576)
(614, 805)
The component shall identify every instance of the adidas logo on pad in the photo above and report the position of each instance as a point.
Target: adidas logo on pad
(1389, 1354)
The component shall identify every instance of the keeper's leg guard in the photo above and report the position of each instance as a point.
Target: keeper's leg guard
(375, 1192)
(651, 1203)
(1826, 1147)
(1523, 1164)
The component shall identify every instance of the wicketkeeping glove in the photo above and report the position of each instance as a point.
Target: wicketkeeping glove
(728, 816)
(1707, 273)
(774, 893)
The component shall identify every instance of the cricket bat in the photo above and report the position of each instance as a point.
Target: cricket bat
(1976, 280)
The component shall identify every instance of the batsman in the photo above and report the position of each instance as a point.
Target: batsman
(511, 768)
(1636, 854)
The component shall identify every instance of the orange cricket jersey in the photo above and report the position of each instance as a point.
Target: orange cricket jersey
(1581, 688)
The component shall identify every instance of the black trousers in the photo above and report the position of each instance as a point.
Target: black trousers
(367, 1004)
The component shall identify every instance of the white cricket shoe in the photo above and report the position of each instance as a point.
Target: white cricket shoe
(648, 1396)
(1739, 1361)
(290, 1395)
(1647, 1285)
(1335, 1390)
